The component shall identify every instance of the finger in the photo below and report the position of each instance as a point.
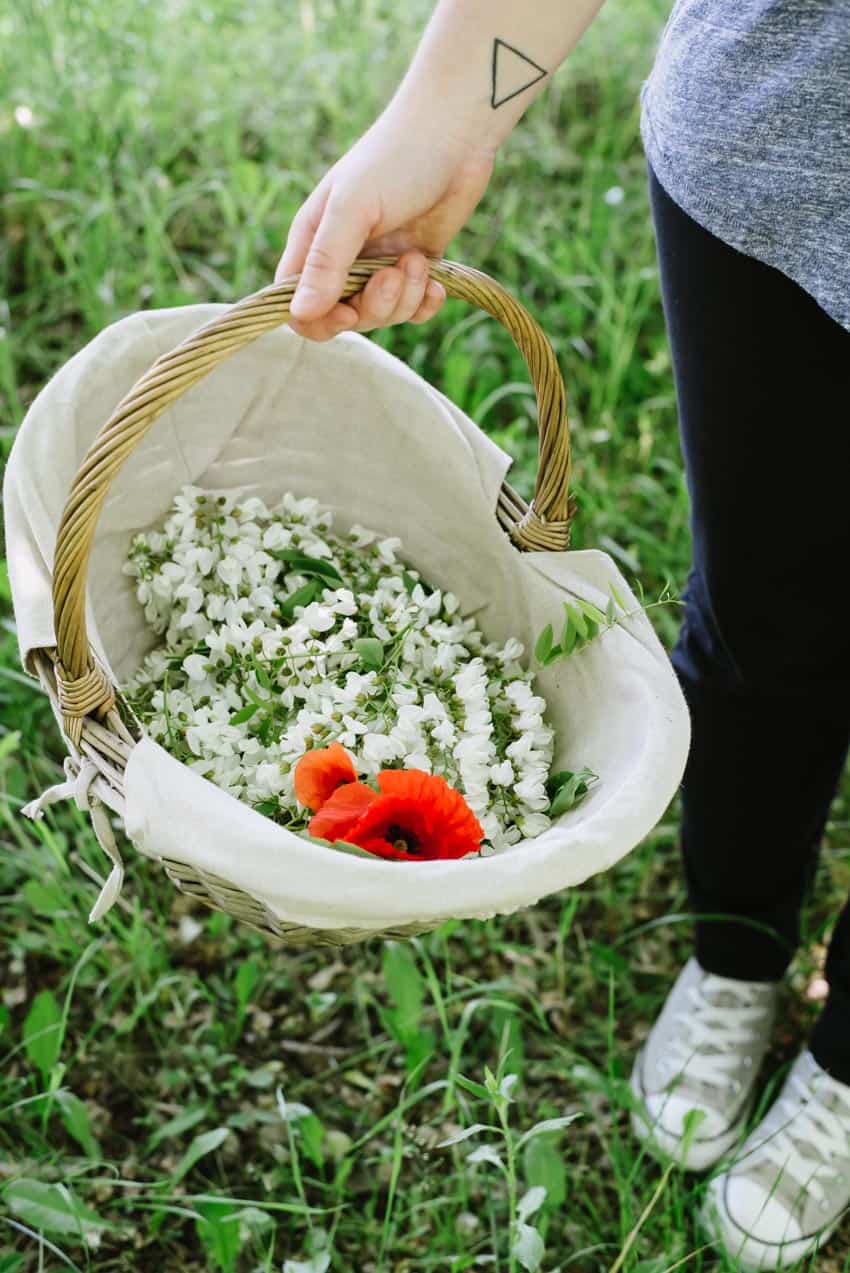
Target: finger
(343, 229)
(302, 230)
(414, 269)
(341, 318)
(435, 294)
(378, 299)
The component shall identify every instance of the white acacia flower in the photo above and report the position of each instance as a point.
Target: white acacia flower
(418, 760)
(445, 733)
(502, 774)
(511, 652)
(316, 617)
(360, 537)
(377, 749)
(213, 573)
(229, 571)
(387, 549)
(195, 666)
(276, 537)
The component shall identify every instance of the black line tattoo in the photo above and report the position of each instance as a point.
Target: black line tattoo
(499, 58)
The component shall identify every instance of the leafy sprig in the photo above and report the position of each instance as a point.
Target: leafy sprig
(566, 789)
(584, 622)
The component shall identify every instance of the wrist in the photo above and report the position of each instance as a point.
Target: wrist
(465, 126)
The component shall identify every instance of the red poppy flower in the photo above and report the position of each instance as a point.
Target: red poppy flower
(341, 811)
(320, 772)
(417, 817)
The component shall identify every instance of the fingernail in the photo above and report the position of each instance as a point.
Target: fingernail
(414, 271)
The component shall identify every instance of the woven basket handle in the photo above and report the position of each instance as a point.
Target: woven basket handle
(83, 686)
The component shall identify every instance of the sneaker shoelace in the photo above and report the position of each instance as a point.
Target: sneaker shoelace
(720, 1023)
(814, 1139)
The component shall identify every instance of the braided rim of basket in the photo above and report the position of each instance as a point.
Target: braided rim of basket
(84, 689)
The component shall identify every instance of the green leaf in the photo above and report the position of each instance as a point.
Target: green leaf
(604, 958)
(409, 582)
(616, 597)
(218, 1230)
(555, 781)
(593, 612)
(9, 743)
(554, 654)
(570, 632)
(572, 789)
(474, 1089)
(178, 1125)
(312, 1131)
(467, 1133)
(45, 897)
(546, 1127)
(578, 620)
(11, 1263)
(43, 1032)
(246, 979)
(268, 808)
(300, 597)
(262, 676)
(245, 713)
(51, 1209)
(543, 1164)
(527, 1246)
(75, 1116)
(202, 1145)
(371, 652)
(491, 1083)
(303, 564)
(405, 987)
(544, 643)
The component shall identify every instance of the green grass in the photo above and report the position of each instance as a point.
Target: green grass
(158, 155)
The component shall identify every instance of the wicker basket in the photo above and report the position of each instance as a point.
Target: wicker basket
(99, 728)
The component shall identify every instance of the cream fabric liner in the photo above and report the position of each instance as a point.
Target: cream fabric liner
(354, 426)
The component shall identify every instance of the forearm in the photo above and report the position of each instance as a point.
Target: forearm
(481, 63)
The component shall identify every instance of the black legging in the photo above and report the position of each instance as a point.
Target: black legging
(763, 384)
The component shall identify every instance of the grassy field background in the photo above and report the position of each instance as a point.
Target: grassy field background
(174, 1095)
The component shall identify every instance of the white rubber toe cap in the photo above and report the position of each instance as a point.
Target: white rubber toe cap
(677, 1116)
(662, 1121)
(759, 1215)
(754, 1229)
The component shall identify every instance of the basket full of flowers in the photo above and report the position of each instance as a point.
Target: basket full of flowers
(305, 643)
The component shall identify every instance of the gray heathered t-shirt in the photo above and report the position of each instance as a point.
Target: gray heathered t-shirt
(746, 120)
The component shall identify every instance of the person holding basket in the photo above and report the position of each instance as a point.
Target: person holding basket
(746, 123)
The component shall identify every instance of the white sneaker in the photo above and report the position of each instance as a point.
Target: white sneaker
(703, 1054)
(789, 1185)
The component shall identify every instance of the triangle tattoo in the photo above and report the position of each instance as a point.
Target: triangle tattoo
(508, 69)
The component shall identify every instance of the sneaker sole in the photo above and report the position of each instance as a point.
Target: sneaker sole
(691, 1155)
(750, 1254)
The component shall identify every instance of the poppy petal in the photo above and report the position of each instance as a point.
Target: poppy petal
(417, 817)
(320, 772)
(341, 811)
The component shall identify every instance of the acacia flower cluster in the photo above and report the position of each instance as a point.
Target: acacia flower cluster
(278, 636)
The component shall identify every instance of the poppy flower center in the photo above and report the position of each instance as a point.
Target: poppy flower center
(401, 838)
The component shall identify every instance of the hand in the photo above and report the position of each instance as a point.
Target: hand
(400, 190)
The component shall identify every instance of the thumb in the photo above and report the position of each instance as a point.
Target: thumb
(343, 229)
